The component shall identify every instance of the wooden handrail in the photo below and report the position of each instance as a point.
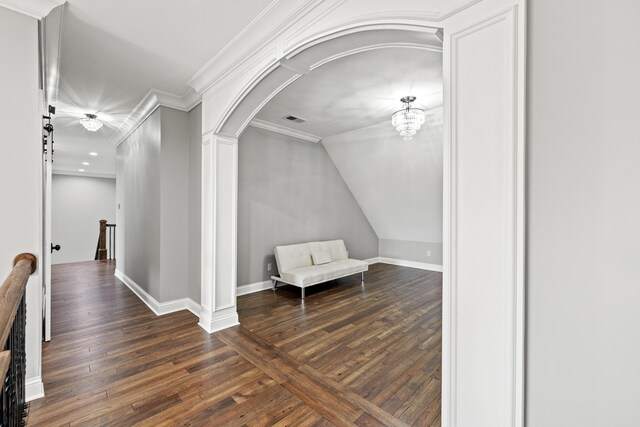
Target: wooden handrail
(12, 291)
(12, 337)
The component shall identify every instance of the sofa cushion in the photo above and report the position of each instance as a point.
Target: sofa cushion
(336, 248)
(320, 257)
(292, 256)
(303, 276)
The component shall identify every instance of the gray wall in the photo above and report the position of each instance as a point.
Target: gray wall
(77, 204)
(174, 205)
(138, 161)
(158, 190)
(20, 163)
(195, 168)
(289, 191)
(583, 275)
(408, 250)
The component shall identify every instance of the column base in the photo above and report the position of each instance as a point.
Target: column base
(218, 320)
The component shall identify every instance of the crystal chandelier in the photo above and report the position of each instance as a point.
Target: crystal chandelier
(91, 122)
(408, 120)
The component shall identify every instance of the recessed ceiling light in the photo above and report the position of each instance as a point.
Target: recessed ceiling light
(85, 163)
(80, 170)
(93, 153)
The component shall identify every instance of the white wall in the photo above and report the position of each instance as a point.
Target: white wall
(397, 184)
(77, 204)
(21, 170)
(583, 214)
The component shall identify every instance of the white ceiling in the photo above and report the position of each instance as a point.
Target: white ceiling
(114, 51)
(349, 103)
(358, 91)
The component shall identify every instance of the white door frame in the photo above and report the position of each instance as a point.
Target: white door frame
(484, 187)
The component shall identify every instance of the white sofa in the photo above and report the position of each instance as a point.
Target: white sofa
(307, 264)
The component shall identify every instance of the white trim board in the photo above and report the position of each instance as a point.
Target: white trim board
(284, 130)
(33, 389)
(153, 99)
(405, 263)
(254, 287)
(34, 8)
(159, 308)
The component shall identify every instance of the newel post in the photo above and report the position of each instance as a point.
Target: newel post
(102, 240)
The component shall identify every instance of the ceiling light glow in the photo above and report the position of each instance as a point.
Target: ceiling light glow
(91, 122)
(80, 170)
(93, 153)
(85, 163)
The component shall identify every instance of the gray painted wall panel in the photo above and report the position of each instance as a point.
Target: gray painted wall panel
(291, 192)
(195, 168)
(174, 205)
(411, 251)
(138, 166)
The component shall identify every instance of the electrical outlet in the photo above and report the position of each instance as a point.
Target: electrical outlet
(428, 253)
(268, 266)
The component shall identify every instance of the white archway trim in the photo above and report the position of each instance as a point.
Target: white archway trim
(34, 8)
(288, 22)
(484, 72)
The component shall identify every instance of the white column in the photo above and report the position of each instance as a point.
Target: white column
(219, 232)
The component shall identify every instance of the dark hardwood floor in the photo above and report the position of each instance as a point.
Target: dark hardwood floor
(348, 355)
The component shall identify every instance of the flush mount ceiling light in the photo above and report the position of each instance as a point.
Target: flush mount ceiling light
(93, 153)
(91, 122)
(408, 120)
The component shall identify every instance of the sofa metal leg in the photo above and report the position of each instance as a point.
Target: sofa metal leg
(275, 284)
(362, 277)
(302, 293)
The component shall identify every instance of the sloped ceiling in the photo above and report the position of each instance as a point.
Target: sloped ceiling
(358, 91)
(349, 103)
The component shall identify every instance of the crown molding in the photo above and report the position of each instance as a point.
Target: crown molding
(34, 8)
(247, 42)
(261, 124)
(83, 174)
(282, 16)
(148, 104)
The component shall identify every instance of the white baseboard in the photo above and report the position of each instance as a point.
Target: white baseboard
(221, 319)
(405, 263)
(34, 389)
(254, 287)
(373, 260)
(159, 308)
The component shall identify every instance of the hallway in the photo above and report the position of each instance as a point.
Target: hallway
(347, 356)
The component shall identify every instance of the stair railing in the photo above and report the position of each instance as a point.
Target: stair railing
(12, 340)
(106, 248)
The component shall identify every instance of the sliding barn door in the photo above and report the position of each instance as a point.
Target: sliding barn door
(484, 51)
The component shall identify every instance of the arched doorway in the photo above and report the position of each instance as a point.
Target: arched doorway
(483, 314)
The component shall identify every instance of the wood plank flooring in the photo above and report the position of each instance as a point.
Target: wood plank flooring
(346, 356)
